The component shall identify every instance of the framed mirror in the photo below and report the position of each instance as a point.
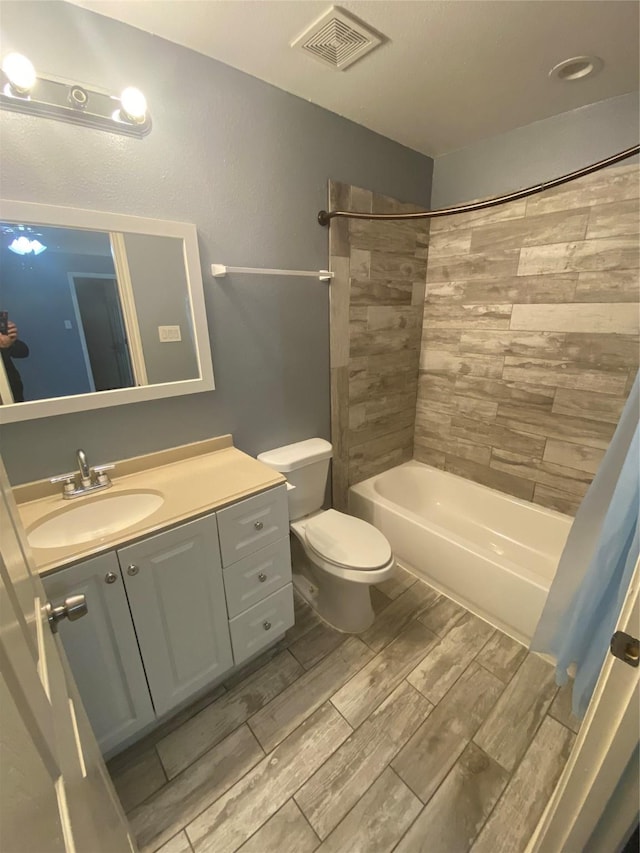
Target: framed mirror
(97, 309)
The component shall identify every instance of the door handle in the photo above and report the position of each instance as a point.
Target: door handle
(74, 607)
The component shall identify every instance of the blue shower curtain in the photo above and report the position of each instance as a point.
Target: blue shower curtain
(595, 569)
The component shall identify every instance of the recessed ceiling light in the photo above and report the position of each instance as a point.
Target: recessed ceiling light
(577, 68)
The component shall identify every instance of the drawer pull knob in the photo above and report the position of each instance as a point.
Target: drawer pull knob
(258, 525)
(262, 577)
(266, 624)
(110, 577)
(132, 570)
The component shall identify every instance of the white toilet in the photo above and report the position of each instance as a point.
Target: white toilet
(336, 557)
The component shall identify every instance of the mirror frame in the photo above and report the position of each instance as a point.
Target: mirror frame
(93, 220)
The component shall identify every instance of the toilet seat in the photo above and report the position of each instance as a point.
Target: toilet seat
(347, 542)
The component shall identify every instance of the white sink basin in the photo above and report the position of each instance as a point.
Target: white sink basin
(93, 519)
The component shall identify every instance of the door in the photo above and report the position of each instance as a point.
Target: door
(103, 651)
(604, 747)
(176, 594)
(56, 793)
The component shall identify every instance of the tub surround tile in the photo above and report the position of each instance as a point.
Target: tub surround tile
(491, 477)
(594, 318)
(199, 785)
(286, 830)
(614, 220)
(509, 728)
(399, 613)
(592, 433)
(283, 714)
(375, 681)
(547, 473)
(532, 231)
(338, 785)
(609, 286)
(445, 663)
(242, 810)
(502, 656)
(219, 719)
(451, 820)
(377, 821)
(613, 185)
(430, 754)
(519, 809)
(601, 407)
(573, 455)
(562, 374)
(555, 499)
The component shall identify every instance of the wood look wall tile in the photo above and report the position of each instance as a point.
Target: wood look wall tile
(562, 375)
(381, 291)
(597, 407)
(393, 317)
(564, 427)
(374, 342)
(432, 751)
(608, 253)
(613, 220)
(339, 313)
(506, 733)
(487, 316)
(437, 338)
(450, 242)
(427, 455)
(397, 267)
(455, 814)
(474, 219)
(487, 476)
(391, 237)
(595, 318)
(561, 501)
(360, 264)
(548, 473)
(515, 289)
(534, 344)
(532, 231)
(337, 786)
(485, 410)
(573, 455)
(445, 361)
(380, 454)
(512, 822)
(242, 810)
(615, 185)
(490, 264)
(609, 286)
(528, 396)
(496, 435)
(361, 199)
(418, 293)
(446, 443)
(605, 352)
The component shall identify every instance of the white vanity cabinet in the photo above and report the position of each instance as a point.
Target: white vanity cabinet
(103, 650)
(176, 594)
(172, 613)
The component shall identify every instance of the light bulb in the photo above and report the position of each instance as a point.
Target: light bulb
(24, 246)
(133, 104)
(20, 72)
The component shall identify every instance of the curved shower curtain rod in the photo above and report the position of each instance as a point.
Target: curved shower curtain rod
(325, 217)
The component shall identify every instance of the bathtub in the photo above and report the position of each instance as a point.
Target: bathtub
(492, 553)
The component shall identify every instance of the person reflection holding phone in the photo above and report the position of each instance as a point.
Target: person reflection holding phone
(12, 347)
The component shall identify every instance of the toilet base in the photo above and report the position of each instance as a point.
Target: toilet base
(344, 605)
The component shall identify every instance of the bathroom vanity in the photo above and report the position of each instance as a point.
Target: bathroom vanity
(179, 599)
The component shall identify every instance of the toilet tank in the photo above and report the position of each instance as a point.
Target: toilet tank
(305, 464)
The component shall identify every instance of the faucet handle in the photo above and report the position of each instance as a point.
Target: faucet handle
(69, 481)
(100, 472)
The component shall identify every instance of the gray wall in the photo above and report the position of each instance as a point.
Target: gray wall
(249, 165)
(537, 152)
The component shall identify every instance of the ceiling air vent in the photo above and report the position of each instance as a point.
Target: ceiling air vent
(337, 39)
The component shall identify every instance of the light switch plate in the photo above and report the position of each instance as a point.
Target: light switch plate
(169, 333)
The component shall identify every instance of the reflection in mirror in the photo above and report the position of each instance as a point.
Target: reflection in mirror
(90, 311)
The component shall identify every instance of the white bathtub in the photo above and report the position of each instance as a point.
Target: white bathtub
(494, 554)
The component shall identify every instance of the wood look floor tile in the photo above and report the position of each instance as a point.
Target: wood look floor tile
(185, 796)
(378, 599)
(286, 832)
(216, 721)
(178, 844)
(396, 585)
(436, 746)
(281, 716)
(369, 687)
(336, 787)
(377, 821)
(442, 615)
(316, 644)
(236, 815)
(446, 662)
(502, 656)
(561, 709)
(518, 811)
(509, 728)
(455, 814)
(398, 615)
(305, 619)
(136, 776)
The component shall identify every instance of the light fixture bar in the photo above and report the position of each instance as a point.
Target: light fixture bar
(73, 102)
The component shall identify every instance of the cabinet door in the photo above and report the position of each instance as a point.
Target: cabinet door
(102, 650)
(176, 593)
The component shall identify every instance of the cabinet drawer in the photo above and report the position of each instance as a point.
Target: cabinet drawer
(251, 580)
(260, 625)
(252, 524)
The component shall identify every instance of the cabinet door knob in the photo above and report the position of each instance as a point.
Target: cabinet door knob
(132, 570)
(262, 577)
(266, 624)
(110, 577)
(258, 525)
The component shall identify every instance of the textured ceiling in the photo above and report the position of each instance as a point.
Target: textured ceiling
(451, 72)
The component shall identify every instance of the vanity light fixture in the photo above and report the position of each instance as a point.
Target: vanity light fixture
(27, 91)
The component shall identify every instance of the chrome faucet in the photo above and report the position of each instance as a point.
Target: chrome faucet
(91, 479)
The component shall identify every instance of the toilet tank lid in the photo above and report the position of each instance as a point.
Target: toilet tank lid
(293, 456)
